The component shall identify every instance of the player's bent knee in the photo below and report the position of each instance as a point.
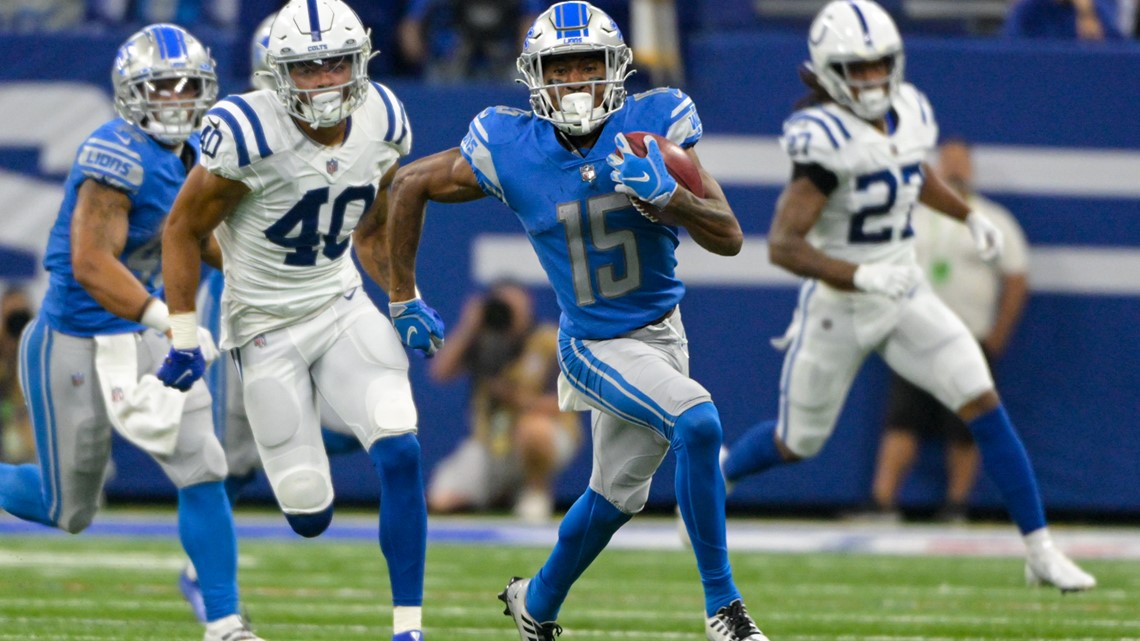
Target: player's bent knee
(629, 489)
(392, 407)
(303, 491)
(78, 520)
(396, 455)
(699, 426)
(310, 525)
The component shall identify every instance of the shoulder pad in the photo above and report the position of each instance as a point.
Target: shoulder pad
(114, 155)
(233, 136)
(398, 130)
(676, 112)
(814, 135)
(492, 128)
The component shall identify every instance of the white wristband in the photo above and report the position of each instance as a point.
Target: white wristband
(184, 330)
(155, 315)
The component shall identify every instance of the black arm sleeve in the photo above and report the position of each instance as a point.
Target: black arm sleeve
(820, 176)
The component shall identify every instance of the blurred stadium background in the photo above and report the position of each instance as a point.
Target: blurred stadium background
(1057, 134)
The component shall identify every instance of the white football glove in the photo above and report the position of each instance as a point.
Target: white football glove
(988, 240)
(892, 281)
(206, 344)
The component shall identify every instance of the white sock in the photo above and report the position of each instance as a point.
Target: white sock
(407, 617)
(1038, 540)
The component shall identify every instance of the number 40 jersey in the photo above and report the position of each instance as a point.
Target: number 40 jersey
(867, 217)
(285, 246)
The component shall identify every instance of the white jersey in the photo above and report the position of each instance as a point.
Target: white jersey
(286, 245)
(867, 217)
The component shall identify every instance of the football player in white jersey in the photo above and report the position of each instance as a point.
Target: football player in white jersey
(843, 223)
(289, 180)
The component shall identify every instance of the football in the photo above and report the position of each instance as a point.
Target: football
(680, 166)
(677, 162)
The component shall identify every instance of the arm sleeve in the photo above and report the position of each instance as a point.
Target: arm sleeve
(823, 178)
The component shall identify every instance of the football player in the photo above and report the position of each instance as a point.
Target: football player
(86, 361)
(622, 346)
(289, 182)
(222, 377)
(858, 146)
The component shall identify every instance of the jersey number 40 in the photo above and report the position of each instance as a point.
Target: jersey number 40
(307, 214)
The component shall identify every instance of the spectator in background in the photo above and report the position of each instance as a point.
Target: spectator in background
(17, 443)
(452, 40)
(519, 439)
(1064, 19)
(989, 297)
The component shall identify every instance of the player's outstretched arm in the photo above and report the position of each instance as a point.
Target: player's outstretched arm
(709, 220)
(371, 235)
(797, 210)
(98, 235)
(443, 177)
(202, 204)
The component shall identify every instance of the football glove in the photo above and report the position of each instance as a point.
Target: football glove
(418, 325)
(988, 240)
(645, 178)
(182, 367)
(892, 281)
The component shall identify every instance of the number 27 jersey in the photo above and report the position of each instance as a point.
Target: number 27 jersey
(285, 246)
(867, 215)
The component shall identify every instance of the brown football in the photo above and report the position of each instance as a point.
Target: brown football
(677, 162)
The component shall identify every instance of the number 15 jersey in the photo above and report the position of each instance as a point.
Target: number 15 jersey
(285, 246)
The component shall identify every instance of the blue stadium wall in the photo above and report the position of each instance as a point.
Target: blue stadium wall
(1058, 142)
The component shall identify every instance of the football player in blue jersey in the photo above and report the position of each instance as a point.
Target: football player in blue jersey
(87, 361)
(858, 146)
(623, 352)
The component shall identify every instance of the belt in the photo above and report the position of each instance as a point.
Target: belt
(664, 317)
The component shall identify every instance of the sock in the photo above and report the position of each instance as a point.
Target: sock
(337, 443)
(22, 493)
(406, 618)
(206, 528)
(582, 535)
(1007, 464)
(403, 515)
(753, 453)
(700, 496)
(236, 483)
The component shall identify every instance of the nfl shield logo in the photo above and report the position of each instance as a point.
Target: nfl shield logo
(259, 340)
(116, 394)
(331, 166)
(77, 379)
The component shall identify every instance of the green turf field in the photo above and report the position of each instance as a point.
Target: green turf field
(90, 588)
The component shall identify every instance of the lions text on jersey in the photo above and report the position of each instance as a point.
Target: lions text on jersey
(611, 268)
(286, 244)
(867, 217)
(122, 156)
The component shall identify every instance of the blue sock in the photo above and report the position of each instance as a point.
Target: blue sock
(700, 496)
(403, 515)
(753, 453)
(1007, 464)
(22, 493)
(206, 528)
(582, 535)
(337, 443)
(236, 483)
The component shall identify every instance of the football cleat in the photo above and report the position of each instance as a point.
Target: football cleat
(732, 623)
(514, 596)
(231, 628)
(192, 592)
(1050, 566)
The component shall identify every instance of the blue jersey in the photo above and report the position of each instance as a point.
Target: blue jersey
(122, 156)
(611, 268)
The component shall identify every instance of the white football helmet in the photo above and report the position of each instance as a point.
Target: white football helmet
(850, 31)
(163, 52)
(307, 31)
(567, 28)
(260, 73)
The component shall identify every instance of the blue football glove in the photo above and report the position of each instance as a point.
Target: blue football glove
(645, 178)
(418, 325)
(181, 368)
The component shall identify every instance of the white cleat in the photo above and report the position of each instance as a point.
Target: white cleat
(732, 623)
(231, 628)
(514, 596)
(1050, 566)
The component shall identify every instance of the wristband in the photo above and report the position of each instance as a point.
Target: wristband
(155, 315)
(184, 330)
